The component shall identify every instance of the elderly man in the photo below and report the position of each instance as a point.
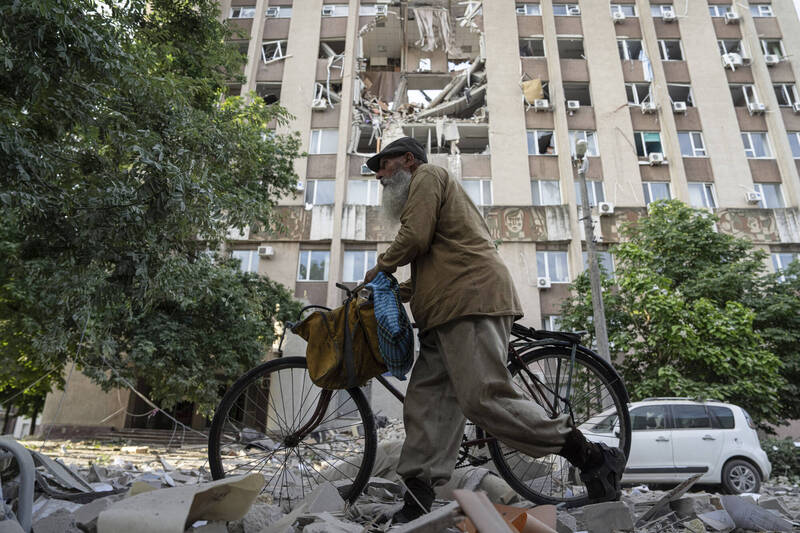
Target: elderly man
(464, 302)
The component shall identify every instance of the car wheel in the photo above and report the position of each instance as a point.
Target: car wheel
(740, 476)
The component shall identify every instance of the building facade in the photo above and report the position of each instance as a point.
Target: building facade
(689, 99)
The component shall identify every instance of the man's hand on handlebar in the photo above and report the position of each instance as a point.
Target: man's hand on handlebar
(371, 273)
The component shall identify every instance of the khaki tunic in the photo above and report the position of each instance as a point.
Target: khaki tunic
(455, 268)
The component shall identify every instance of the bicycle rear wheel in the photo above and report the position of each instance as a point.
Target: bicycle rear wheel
(266, 424)
(597, 400)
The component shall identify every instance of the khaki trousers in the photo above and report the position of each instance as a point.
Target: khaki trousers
(461, 370)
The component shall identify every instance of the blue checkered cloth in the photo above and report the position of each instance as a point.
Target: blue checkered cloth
(395, 334)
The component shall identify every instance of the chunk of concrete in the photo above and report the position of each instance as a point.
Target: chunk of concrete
(774, 504)
(434, 522)
(747, 515)
(330, 524)
(718, 520)
(325, 497)
(661, 505)
(260, 516)
(607, 517)
(695, 526)
(10, 526)
(86, 516)
(692, 505)
(566, 523)
(61, 521)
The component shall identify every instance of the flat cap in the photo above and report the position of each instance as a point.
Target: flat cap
(398, 147)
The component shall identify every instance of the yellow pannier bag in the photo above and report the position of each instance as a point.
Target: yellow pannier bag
(342, 354)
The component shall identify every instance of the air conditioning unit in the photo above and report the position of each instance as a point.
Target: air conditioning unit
(573, 105)
(328, 11)
(756, 108)
(753, 197)
(771, 60)
(300, 186)
(521, 10)
(541, 104)
(319, 104)
(796, 107)
(732, 60)
(679, 107)
(543, 283)
(605, 208)
(365, 170)
(574, 11)
(273, 12)
(618, 16)
(266, 251)
(656, 159)
(381, 10)
(649, 107)
(732, 18)
(668, 16)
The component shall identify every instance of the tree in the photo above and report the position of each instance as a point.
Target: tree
(675, 312)
(122, 165)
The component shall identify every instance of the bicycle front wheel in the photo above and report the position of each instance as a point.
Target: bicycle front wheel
(596, 398)
(276, 422)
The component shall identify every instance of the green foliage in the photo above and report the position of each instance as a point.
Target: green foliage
(120, 167)
(784, 456)
(676, 311)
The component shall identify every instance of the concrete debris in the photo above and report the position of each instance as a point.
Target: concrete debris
(607, 517)
(674, 494)
(748, 515)
(718, 520)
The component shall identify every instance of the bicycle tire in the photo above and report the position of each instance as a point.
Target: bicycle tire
(554, 480)
(256, 424)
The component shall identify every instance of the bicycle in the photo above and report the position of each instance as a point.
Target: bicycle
(276, 421)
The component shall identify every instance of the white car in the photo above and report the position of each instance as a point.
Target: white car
(674, 438)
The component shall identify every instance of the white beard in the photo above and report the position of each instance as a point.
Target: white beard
(395, 193)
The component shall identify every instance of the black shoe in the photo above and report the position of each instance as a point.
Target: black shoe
(603, 481)
(416, 502)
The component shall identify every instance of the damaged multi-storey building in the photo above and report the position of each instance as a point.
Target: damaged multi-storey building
(687, 99)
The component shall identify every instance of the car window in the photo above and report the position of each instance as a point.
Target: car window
(721, 417)
(606, 425)
(649, 417)
(690, 416)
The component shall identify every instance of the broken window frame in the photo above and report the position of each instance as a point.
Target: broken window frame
(335, 10)
(243, 12)
(605, 260)
(537, 133)
(569, 10)
(278, 53)
(529, 40)
(719, 10)
(702, 195)
(306, 259)
(689, 100)
(553, 265)
(786, 94)
(312, 195)
(589, 136)
(373, 192)
(561, 53)
(537, 192)
(317, 141)
(624, 48)
(748, 91)
(323, 54)
(794, 143)
(368, 259)
(641, 143)
(629, 10)
(484, 189)
(666, 51)
(758, 150)
(270, 89)
(281, 12)
(692, 144)
(656, 188)
(724, 47)
(248, 260)
(633, 90)
(658, 11)
(771, 195)
(761, 10)
(596, 192)
(773, 47)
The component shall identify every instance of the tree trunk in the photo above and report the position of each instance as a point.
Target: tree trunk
(7, 417)
(33, 421)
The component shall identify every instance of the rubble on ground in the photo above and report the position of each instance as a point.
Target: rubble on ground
(99, 488)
